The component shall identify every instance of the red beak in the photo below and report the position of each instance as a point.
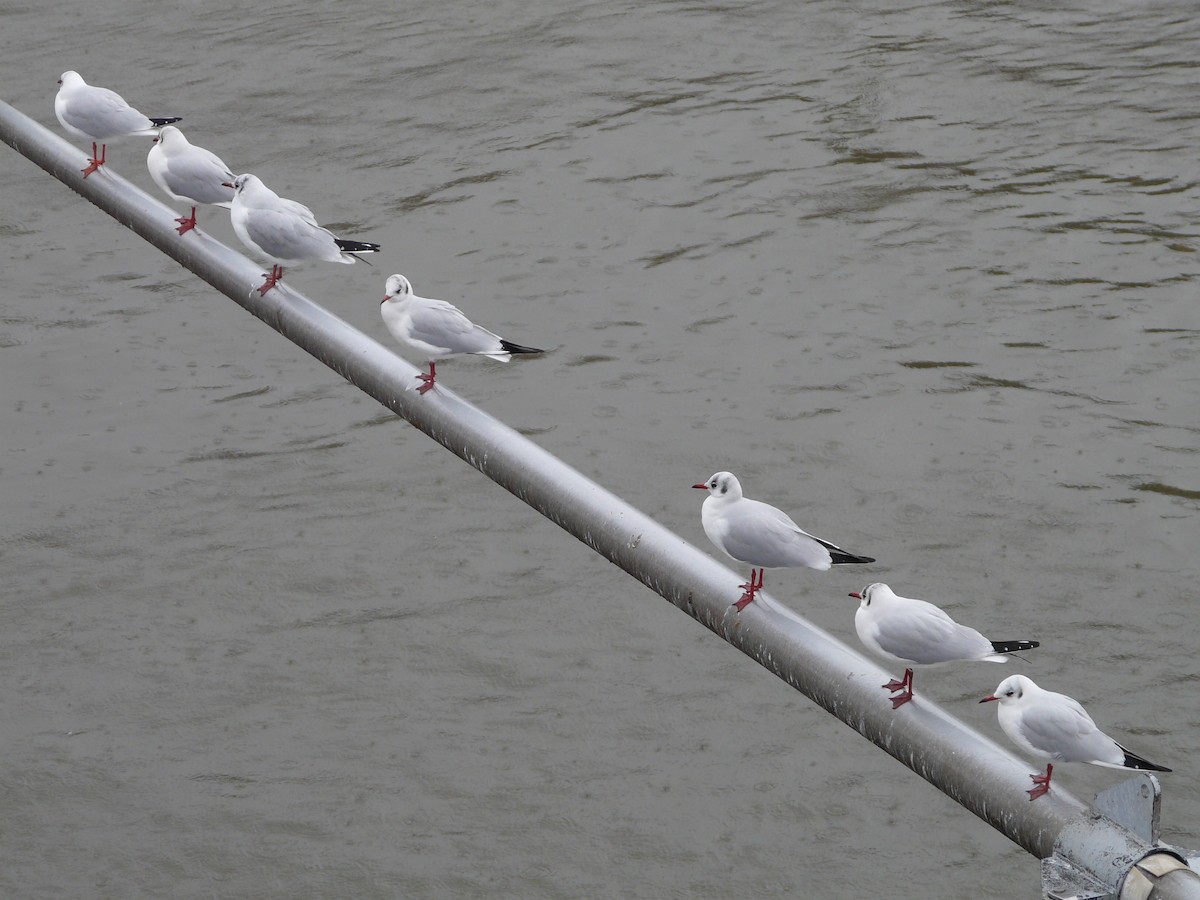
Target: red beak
(226, 184)
(856, 595)
(701, 486)
(989, 697)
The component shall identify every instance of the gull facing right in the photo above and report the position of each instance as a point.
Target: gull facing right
(918, 633)
(283, 230)
(754, 532)
(1053, 726)
(86, 111)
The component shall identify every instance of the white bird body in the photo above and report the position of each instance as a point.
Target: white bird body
(283, 230)
(86, 111)
(1052, 726)
(187, 172)
(438, 329)
(753, 532)
(279, 229)
(917, 633)
(96, 113)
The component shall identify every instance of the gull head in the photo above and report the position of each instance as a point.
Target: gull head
(242, 182)
(1011, 690)
(70, 79)
(397, 287)
(170, 135)
(722, 485)
(871, 592)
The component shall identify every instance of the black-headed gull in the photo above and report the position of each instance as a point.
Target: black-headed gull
(755, 533)
(188, 173)
(283, 230)
(1053, 726)
(85, 111)
(438, 329)
(918, 633)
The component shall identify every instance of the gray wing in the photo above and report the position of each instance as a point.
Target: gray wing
(441, 324)
(198, 175)
(288, 237)
(104, 114)
(926, 635)
(762, 535)
(1063, 730)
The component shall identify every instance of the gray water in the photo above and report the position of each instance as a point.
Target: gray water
(924, 277)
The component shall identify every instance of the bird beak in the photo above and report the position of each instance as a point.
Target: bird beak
(988, 698)
(700, 487)
(226, 184)
(856, 595)
(386, 298)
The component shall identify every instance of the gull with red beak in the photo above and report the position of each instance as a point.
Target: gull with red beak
(917, 633)
(753, 532)
(1054, 727)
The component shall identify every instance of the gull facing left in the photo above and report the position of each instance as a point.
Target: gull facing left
(1053, 726)
(188, 172)
(438, 329)
(283, 230)
(918, 633)
(756, 533)
(86, 111)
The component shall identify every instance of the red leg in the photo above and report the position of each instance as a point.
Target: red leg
(905, 685)
(96, 161)
(272, 279)
(751, 589)
(187, 224)
(428, 379)
(1042, 782)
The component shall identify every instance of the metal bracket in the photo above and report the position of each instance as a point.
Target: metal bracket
(1133, 804)
(1085, 848)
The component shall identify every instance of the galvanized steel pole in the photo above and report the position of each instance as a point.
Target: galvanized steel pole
(980, 775)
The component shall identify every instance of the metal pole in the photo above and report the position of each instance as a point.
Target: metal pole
(980, 775)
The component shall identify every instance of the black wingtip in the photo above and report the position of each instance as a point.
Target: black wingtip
(161, 121)
(841, 558)
(356, 246)
(510, 347)
(1014, 646)
(1133, 761)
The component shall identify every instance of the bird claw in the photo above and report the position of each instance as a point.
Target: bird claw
(751, 589)
(894, 685)
(428, 378)
(271, 280)
(96, 161)
(1042, 782)
(899, 700)
(187, 223)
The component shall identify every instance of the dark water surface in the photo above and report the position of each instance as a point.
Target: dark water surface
(925, 277)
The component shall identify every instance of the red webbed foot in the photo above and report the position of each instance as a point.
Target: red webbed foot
(96, 161)
(271, 280)
(905, 685)
(751, 589)
(187, 223)
(427, 379)
(1042, 782)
